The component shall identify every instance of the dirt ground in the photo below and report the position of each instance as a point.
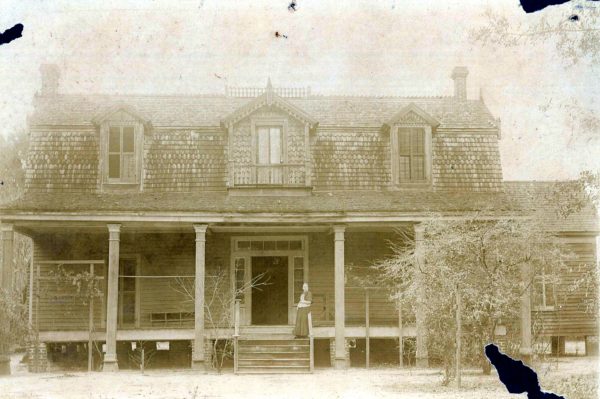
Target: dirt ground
(325, 383)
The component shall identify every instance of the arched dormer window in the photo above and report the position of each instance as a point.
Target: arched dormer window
(121, 144)
(410, 143)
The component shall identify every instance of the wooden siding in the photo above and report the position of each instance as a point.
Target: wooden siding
(173, 255)
(56, 306)
(572, 315)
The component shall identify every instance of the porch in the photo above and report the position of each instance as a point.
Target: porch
(146, 277)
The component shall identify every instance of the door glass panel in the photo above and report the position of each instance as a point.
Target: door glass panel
(114, 166)
(240, 272)
(298, 277)
(275, 147)
(128, 139)
(114, 140)
(128, 307)
(127, 291)
(263, 145)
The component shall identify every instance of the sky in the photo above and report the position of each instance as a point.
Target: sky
(395, 47)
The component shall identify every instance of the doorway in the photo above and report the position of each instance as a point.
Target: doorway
(270, 296)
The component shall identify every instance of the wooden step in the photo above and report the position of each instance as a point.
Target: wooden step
(273, 363)
(271, 354)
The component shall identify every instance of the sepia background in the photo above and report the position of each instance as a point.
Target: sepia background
(547, 96)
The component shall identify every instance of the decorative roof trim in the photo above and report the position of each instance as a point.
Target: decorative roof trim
(101, 117)
(269, 99)
(412, 107)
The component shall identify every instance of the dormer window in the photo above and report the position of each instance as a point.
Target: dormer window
(121, 154)
(269, 153)
(411, 155)
(121, 143)
(410, 142)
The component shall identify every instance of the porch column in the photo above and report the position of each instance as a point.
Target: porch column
(526, 350)
(6, 273)
(340, 313)
(422, 356)
(112, 300)
(198, 355)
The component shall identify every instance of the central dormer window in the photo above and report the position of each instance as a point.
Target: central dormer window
(269, 145)
(269, 154)
(121, 154)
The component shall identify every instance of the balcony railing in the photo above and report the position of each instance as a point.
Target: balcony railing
(287, 175)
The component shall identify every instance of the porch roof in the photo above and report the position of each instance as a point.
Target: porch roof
(410, 201)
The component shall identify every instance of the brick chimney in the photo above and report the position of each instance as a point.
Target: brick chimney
(459, 75)
(50, 79)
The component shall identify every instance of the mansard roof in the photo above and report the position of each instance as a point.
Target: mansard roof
(210, 110)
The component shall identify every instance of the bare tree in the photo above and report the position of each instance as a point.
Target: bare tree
(478, 262)
(219, 301)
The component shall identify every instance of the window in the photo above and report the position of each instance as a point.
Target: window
(121, 154)
(269, 155)
(543, 292)
(269, 145)
(411, 155)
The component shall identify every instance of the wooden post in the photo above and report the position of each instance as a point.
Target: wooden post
(112, 302)
(458, 335)
(7, 232)
(311, 340)
(526, 350)
(198, 355)
(143, 359)
(422, 356)
(340, 315)
(91, 320)
(400, 335)
(367, 332)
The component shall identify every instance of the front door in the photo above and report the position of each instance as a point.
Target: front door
(270, 292)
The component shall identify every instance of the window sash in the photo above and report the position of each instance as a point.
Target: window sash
(122, 158)
(269, 145)
(543, 292)
(411, 155)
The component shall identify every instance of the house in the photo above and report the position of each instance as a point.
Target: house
(153, 193)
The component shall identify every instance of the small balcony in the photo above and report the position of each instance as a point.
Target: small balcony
(269, 179)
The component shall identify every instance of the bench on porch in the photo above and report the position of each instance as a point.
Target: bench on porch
(167, 319)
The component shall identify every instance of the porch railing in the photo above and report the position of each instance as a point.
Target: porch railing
(284, 174)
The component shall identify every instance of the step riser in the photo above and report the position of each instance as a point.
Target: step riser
(273, 349)
(277, 342)
(267, 355)
(273, 363)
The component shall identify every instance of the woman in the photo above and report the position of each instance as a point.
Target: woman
(301, 329)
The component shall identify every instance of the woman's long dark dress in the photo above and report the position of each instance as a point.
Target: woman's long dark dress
(301, 329)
